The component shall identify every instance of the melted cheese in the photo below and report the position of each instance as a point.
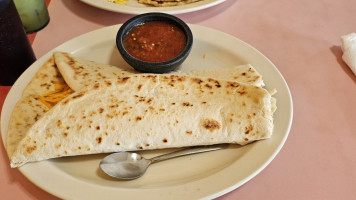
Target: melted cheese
(61, 91)
(123, 2)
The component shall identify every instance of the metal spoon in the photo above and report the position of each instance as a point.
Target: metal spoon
(128, 165)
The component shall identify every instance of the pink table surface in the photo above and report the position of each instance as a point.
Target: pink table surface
(302, 38)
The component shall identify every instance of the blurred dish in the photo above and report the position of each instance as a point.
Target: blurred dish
(133, 7)
(80, 177)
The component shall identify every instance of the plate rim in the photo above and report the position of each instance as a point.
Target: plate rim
(32, 68)
(135, 10)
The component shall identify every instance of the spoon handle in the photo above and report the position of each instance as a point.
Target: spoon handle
(189, 151)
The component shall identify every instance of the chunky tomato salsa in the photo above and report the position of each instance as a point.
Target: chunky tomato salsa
(155, 41)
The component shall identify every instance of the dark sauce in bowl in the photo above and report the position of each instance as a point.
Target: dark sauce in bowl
(155, 41)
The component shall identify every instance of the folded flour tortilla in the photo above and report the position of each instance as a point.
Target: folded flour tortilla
(79, 73)
(240, 73)
(30, 108)
(50, 80)
(75, 72)
(146, 111)
(49, 87)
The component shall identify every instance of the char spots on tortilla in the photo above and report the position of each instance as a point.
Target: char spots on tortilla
(72, 62)
(254, 79)
(210, 124)
(208, 86)
(86, 74)
(233, 84)
(78, 95)
(197, 80)
(139, 87)
(122, 80)
(215, 82)
(30, 149)
(59, 124)
(149, 77)
(65, 102)
(108, 83)
(241, 92)
(96, 86)
(46, 85)
(99, 140)
(173, 79)
(248, 129)
(100, 76)
(187, 104)
(143, 99)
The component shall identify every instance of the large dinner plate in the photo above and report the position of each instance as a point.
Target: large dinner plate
(133, 7)
(207, 175)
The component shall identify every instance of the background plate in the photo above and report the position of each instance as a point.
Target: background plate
(133, 7)
(207, 175)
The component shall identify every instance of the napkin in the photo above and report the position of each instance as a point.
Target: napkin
(349, 49)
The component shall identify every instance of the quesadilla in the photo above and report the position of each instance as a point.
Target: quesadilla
(149, 111)
(48, 87)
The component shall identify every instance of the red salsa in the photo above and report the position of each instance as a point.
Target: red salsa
(155, 41)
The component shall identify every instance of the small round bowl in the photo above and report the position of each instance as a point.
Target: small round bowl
(154, 67)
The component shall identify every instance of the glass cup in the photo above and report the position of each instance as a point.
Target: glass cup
(33, 14)
(16, 53)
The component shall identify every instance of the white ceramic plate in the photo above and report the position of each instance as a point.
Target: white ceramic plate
(133, 7)
(207, 175)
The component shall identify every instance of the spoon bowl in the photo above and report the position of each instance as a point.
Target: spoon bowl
(129, 165)
(125, 165)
